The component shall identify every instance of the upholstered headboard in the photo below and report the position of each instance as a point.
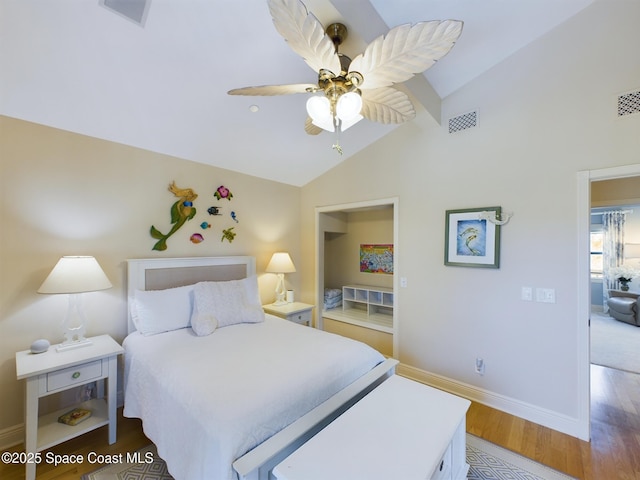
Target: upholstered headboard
(161, 273)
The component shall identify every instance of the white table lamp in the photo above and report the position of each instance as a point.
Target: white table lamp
(280, 263)
(73, 276)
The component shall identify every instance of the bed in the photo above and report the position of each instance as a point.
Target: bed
(232, 394)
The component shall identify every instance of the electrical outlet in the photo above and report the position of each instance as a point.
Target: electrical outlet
(527, 294)
(479, 366)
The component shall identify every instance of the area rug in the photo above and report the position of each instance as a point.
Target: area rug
(487, 462)
(614, 344)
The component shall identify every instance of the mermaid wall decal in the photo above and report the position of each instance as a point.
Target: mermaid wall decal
(181, 211)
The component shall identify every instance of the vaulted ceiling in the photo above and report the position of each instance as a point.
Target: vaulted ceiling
(162, 85)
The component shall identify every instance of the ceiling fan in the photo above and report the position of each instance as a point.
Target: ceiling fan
(362, 87)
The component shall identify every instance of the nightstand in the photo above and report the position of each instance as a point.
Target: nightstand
(295, 312)
(53, 372)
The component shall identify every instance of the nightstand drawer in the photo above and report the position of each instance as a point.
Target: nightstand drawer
(300, 317)
(74, 375)
(297, 312)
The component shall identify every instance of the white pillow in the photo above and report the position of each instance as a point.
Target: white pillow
(204, 324)
(157, 311)
(229, 303)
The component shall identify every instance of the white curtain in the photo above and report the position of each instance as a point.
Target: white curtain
(612, 250)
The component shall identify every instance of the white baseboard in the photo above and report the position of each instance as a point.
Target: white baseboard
(541, 416)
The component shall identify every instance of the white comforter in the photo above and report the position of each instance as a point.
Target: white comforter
(205, 401)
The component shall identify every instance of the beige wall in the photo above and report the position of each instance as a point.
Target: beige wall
(621, 191)
(342, 251)
(67, 194)
(545, 113)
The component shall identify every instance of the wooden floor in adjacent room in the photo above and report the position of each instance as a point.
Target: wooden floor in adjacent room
(613, 453)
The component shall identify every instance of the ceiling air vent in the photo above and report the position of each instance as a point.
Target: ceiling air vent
(629, 103)
(463, 122)
(134, 10)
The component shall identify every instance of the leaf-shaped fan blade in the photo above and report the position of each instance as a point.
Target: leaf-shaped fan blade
(310, 128)
(405, 51)
(386, 105)
(269, 90)
(304, 34)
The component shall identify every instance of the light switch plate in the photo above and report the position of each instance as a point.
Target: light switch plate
(545, 295)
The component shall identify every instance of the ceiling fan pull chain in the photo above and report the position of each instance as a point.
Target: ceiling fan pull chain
(337, 123)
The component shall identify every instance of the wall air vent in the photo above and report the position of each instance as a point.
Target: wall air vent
(463, 122)
(134, 10)
(628, 104)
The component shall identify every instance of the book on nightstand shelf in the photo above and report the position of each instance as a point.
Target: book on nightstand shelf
(75, 416)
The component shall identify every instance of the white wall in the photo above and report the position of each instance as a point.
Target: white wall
(545, 113)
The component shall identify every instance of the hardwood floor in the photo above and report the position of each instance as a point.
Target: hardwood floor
(614, 450)
(612, 454)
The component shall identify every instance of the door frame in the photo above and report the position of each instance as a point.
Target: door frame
(585, 178)
(319, 254)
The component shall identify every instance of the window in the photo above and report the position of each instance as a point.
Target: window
(596, 254)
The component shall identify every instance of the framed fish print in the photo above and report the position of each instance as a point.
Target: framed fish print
(471, 239)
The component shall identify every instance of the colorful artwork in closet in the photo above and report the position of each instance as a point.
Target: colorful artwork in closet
(376, 258)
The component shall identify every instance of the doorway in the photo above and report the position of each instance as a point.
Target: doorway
(585, 178)
(374, 293)
(614, 336)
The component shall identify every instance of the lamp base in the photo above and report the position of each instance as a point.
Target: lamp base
(280, 291)
(74, 338)
(70, 345)
(280, 299)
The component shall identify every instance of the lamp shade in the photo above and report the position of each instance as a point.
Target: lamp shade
(75, 275)
(281, 263)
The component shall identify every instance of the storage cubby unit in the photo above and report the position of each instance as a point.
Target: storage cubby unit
(370, 307)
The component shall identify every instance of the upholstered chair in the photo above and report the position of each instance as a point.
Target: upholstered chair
(624, 306)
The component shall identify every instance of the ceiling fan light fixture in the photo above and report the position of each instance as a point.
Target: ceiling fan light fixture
(319, 109)
(349, 106)
(403, 52)
(347, 111)
(350, 122)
